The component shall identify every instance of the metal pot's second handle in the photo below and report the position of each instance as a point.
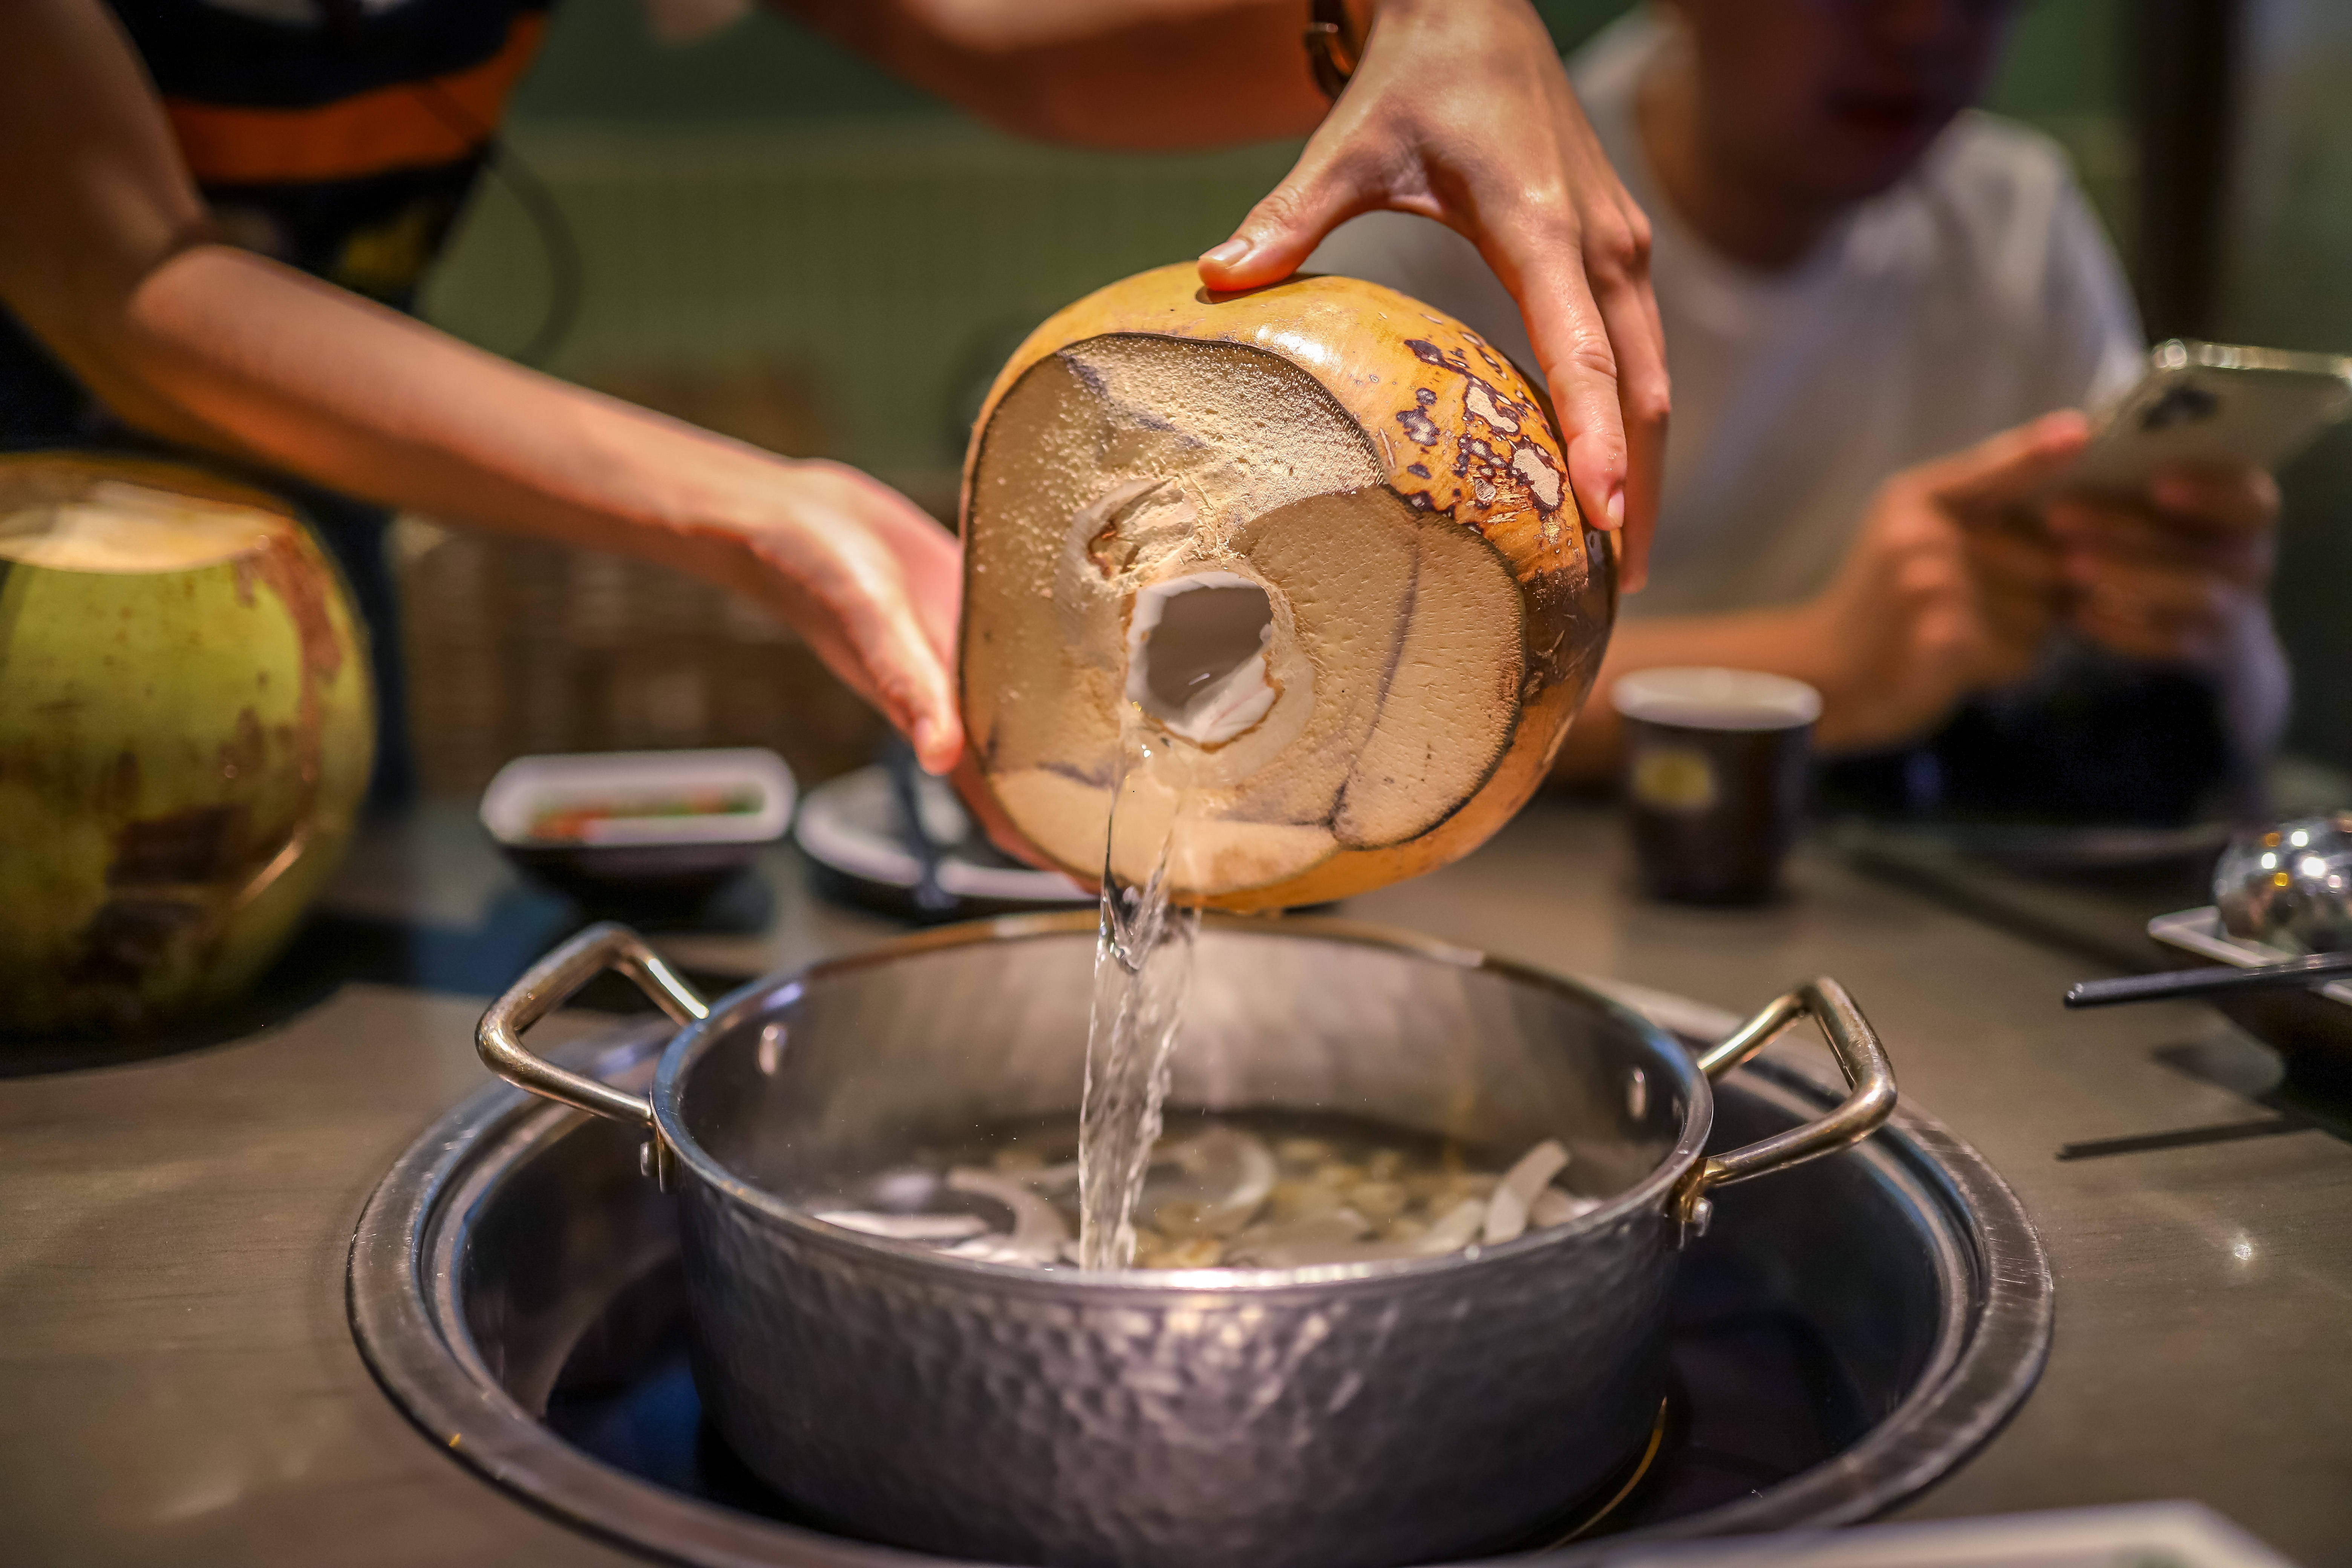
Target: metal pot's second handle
(547, 986)
(1859, 1057)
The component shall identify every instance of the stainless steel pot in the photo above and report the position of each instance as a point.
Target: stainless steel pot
(1365, 1414)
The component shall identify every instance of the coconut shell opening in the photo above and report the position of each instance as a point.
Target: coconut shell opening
(114, 525)
(1196, 656)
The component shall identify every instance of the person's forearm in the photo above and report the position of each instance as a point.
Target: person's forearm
(226, 350)
(1144, 75)
(106, 257)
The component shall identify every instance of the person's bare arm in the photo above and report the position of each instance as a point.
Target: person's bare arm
(106, 255)
(1142, 75)
(1459, 111)
(1942, 594)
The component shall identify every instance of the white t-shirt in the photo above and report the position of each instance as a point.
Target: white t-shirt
(1973, 296)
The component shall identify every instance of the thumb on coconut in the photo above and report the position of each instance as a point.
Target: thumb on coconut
(1283, 230)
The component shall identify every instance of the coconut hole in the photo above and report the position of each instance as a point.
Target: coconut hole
(1196, 655)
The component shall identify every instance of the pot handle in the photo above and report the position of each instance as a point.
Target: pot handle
(548, 986)
(1859, 1057)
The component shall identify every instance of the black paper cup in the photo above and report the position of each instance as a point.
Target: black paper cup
(1716, 778)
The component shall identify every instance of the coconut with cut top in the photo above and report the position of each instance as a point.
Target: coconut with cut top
(186, 726)
(1318, 534)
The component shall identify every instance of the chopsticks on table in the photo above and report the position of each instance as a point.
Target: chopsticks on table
(2180, 983)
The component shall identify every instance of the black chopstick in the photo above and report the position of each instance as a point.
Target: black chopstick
(2179, 982)
(906, 789)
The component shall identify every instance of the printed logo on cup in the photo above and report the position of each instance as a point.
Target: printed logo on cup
(1674, 778)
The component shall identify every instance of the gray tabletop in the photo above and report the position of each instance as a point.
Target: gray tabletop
(181, 1385)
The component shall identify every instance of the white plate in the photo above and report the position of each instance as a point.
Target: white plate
(2171, 1534)
(529, 785)
(851, 823)
(2200, 931)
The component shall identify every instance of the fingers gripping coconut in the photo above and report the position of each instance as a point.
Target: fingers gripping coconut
(1316, 534)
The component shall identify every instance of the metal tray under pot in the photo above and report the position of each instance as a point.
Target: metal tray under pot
(1840, 1338)
(1368, 1412)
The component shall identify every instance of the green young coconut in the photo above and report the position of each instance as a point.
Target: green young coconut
(186, 727)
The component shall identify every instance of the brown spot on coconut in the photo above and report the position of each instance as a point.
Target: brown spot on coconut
(1200, 505)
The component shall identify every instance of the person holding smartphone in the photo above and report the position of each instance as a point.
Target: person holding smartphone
(218, 211)
(1886, 315)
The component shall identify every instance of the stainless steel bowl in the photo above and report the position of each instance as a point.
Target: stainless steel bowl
(2291, 884)
(1359, 1414)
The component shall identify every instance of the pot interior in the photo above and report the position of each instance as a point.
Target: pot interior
(811, 1088)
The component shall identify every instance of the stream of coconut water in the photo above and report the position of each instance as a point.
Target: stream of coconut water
(1280, 1189)
(1143, 965)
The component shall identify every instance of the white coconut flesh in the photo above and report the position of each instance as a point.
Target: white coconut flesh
(1200, 529)
(115, 526)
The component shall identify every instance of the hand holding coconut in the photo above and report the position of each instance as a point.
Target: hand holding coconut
(1460, 111)
(1318, 535)
(871, 582)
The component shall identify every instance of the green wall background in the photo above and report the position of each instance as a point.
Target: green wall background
(765, 199)
(598, 63)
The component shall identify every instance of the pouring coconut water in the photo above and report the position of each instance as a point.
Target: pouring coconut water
(1318, 534)
(1434, 608)
(1269, 598)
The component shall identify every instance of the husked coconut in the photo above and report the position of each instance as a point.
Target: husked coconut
(1318, 534)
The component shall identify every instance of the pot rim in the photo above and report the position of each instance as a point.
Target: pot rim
(746, 1001)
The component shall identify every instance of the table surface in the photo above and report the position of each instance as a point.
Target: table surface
(181, 1384)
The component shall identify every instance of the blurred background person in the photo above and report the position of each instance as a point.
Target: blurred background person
(219, 209)
(1885, 312)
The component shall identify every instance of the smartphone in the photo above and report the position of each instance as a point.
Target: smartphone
(2213, 403)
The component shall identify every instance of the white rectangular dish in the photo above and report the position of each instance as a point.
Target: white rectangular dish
(2200, 932)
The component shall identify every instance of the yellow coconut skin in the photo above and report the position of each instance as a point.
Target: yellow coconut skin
(1461, 434)
(183, 751)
